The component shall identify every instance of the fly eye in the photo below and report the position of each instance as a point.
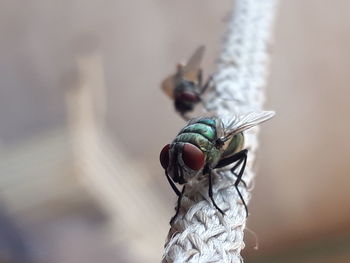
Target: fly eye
(164, 156)
(189, 96)
(192, 156)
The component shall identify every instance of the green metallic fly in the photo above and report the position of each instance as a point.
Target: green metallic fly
(209, 143)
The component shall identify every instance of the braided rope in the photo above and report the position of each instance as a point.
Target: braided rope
(200, 233)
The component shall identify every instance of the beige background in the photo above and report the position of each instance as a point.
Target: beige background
(300, 205)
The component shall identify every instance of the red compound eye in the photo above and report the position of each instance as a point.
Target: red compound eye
(192, 156)
(189, 96)
(164, 156)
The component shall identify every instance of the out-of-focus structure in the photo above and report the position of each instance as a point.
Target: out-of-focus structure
(96, 174)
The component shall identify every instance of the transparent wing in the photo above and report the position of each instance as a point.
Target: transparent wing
(195, 60)
(190, 72)
(168, 86)
(192, 67)
(242, 122)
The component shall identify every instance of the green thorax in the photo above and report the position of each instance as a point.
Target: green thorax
(203, 134)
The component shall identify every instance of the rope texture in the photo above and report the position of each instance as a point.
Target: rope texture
(200, 233)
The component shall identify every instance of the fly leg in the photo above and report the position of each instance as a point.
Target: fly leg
(206, 85)
(178, 206)
(200, 78)
(238, 157)
(241, 159)
(177, 191)
(203, 89)
(239, 178)
(233, 170)
(211, 193)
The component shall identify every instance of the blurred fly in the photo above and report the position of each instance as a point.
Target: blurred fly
(209, 143)
(185, 87)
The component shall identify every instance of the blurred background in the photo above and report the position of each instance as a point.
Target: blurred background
(82, 121)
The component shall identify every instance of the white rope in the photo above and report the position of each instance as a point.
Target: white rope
(200, 233)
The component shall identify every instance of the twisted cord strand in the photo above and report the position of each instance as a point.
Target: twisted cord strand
(201, 233)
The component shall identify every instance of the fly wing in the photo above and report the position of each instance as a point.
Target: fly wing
(190, 72)
(244, 122)
(192, 67)
(168, 86)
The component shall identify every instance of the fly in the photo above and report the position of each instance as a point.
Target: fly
(185, 87)
(209, 143)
